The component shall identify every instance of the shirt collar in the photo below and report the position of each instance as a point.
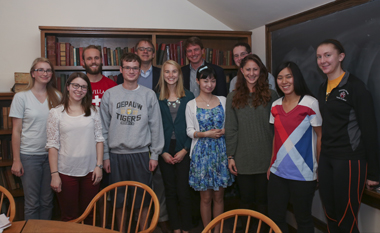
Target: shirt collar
(147, 73)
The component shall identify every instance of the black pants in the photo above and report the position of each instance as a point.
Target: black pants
(253, 191)
(177, 190)
(341, 185)
(299, 193)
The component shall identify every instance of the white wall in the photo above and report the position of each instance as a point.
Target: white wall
(258, 43)
(19, 21)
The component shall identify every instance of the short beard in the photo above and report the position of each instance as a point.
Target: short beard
(98, 71)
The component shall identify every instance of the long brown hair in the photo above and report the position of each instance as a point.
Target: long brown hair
(163, 88)
(261, 95)
(53, 95)
(87, 99)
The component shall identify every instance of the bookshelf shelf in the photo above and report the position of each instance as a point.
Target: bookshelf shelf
(128, 37)
(6, 162)
(5, 131)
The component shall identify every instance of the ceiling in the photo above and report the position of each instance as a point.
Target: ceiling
(250, 14)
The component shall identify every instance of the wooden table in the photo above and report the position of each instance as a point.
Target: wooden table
(34, 226)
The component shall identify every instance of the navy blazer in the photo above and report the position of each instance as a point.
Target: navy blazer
(179, 124)
(156, 76)
(221, 85)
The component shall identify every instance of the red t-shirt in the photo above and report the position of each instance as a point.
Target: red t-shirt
(99, 88)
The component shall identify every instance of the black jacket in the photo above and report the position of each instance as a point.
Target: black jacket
(349, 125)
(221, 85)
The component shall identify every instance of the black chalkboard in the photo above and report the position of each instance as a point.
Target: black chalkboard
(357, 28)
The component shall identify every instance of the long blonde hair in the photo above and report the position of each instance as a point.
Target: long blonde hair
(163, 88)
(53, 95)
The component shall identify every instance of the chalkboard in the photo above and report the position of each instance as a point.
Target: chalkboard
(357, 28)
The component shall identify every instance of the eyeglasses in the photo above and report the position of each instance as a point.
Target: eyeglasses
(42, 71)
(76, 86)
(149, 49)
(134, 69)
(241, 54)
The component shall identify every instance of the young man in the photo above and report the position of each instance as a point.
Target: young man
(240, 51)
(194, 50)
(92, 58)
(132, 127)
(150, 74)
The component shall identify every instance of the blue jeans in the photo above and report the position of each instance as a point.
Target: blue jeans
(36, 184)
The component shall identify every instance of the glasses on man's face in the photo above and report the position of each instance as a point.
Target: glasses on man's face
(241, 55)
(135, 69)
(42, 71)
(149, 49)
(76, 86)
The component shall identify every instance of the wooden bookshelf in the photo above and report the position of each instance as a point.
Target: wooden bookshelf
(5, 101)
(128, 37)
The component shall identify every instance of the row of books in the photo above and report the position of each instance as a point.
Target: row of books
(6, 152)
(5, 121)
(170, 52)
(64, 54)
(8, 180)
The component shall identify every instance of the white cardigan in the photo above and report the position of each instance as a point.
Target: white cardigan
(192, 122)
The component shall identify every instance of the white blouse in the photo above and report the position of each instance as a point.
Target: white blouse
(75, 139)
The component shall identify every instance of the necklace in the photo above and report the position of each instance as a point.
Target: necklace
(174, 103)
(207, 103)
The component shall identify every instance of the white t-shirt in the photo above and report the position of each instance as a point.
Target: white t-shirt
(75, 138)
(34, 116)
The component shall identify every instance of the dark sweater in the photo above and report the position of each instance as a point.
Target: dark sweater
(349, 123)
(249, 136)
(178, 126)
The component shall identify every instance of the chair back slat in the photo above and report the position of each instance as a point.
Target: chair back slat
(11, 210)
(111, 197)
(249, 215)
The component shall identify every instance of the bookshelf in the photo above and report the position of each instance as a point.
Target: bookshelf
(5, 137)
(128, 37)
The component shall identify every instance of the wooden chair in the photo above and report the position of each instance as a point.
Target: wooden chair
(130, 193)
(12, 206)
(242, 212)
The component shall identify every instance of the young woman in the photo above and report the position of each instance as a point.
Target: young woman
(174, 161)
(249, 135)
(349, 140)
(296, 146)
(205, 125)
(75, 144)
(29, 112)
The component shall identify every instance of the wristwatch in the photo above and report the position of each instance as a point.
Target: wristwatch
(100, 166)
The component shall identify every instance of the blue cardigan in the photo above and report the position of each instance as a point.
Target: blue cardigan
(178, 126)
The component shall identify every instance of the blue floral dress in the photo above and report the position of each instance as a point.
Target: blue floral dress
(209, 163)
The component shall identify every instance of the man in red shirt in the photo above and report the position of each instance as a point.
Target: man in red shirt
(92, 58)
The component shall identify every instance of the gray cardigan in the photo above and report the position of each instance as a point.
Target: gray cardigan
(249, 136)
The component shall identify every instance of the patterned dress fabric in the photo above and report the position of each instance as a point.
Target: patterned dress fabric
(209, 163)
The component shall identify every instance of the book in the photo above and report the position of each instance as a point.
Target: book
(22, 78)
(51, 49)
(81, 56)
(162, 53)
(105, 57)
(63, 54)
(58, 53)
(67, 54)
(5, 117)
(71, 55)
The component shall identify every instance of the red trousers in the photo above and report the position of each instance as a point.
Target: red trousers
(76, 194)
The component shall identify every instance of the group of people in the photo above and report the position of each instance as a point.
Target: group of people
(174, 128)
